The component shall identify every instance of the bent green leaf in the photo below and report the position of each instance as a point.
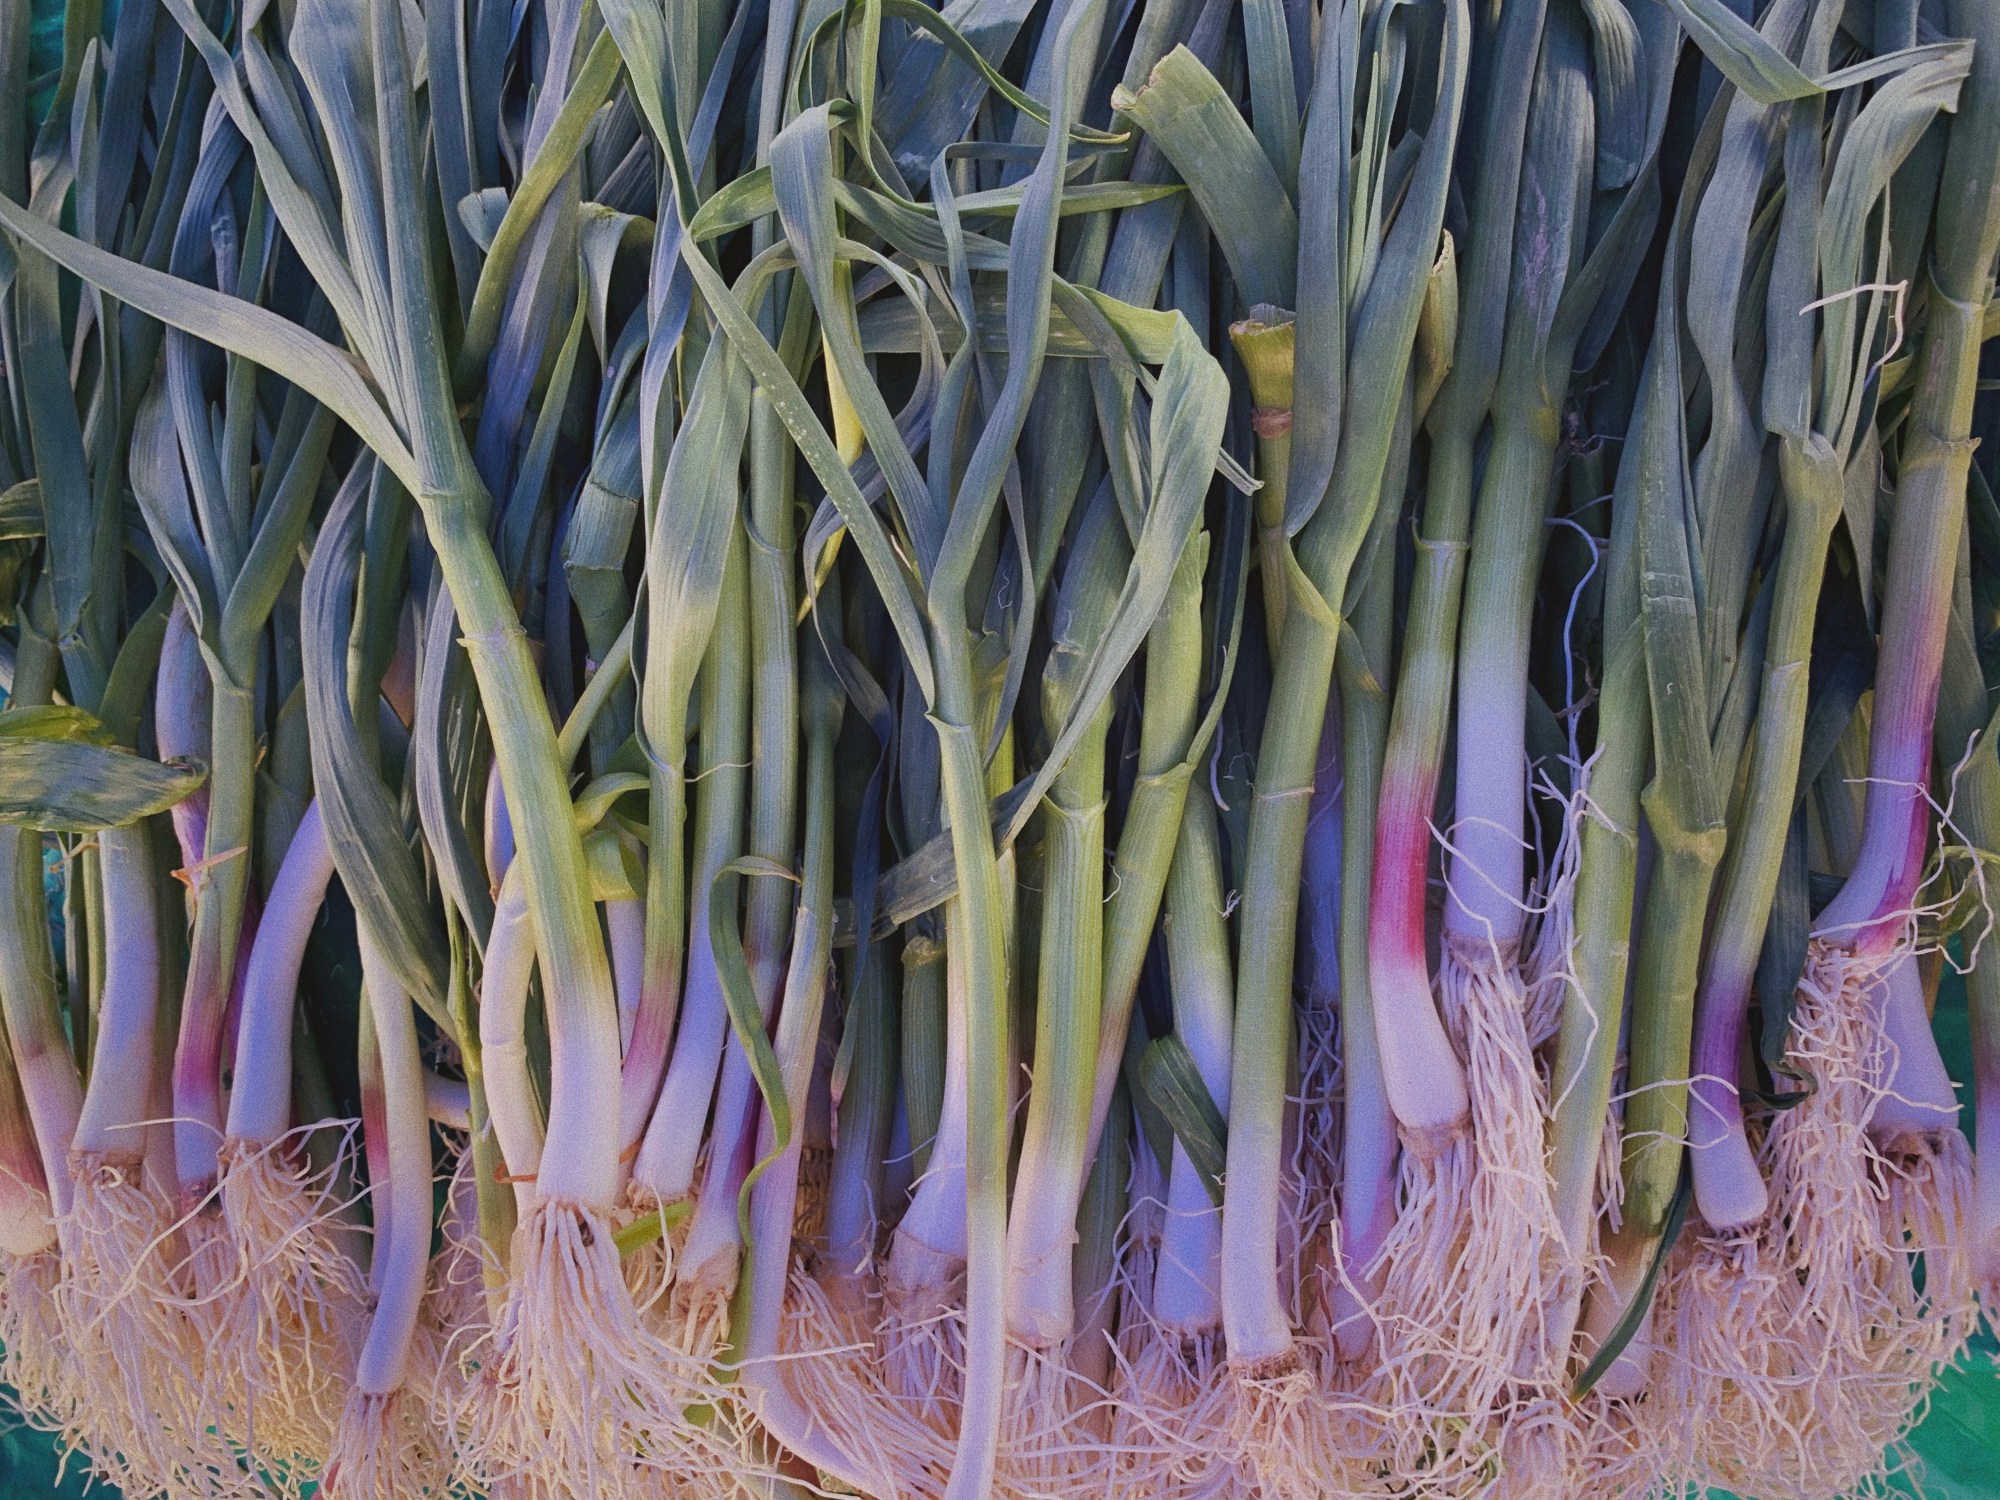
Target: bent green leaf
(61, 772)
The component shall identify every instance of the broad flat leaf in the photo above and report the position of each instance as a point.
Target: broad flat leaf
(298, 196)
(285, 508)
(328, 373)
(694, 528)
(601, 234)
(559, 151)
(61, 772)
(159, 483)
(1274, 99)
(640, 32)
(329, 46)
(739, 993)
(441, 763)
(21, 511)
(1686, 797)
(56, 723)
(1870, 151)
(817, 448)
(1858, 497)
(802, 175)
(616, 873)
(482, 213)
(1323, 187)
(39, 375)
(595, 800)
(364, 828)
(1195, 123)
(895, 326)
(1618, 62)
(1190, 407)
(1744, 57)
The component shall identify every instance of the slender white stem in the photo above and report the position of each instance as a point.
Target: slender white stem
(448, 1101)
(1187, 1281)
(121, 1072)
(1917, 1095)
(42, 1057)
(160, 1169)
(625, 922)
(773, 1201)
(708, 1258)
(503, 1038)
(935, 1219)
(1485, 904)
(1422, 1074)
(402, 1261)
(26, 1225)
(260, 1101)
(673, 1129)
(666, 1163)
(1187, 1287)
(499, 830)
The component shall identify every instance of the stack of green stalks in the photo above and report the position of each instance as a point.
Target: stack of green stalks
(1048, 748)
